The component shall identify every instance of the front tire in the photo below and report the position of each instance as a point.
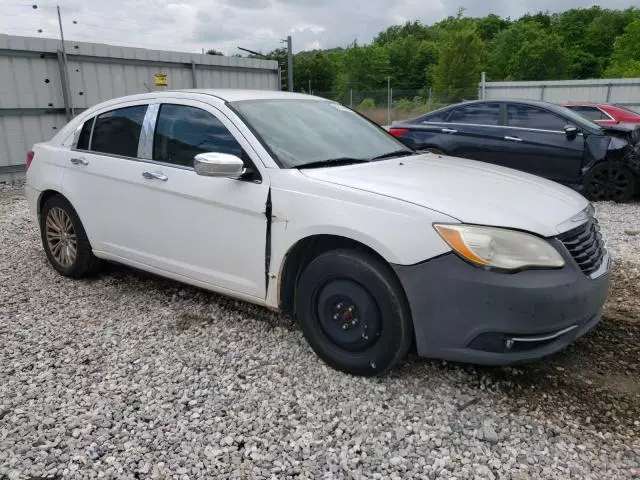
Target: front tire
(618, 185)
(353, 312)
(64, 239)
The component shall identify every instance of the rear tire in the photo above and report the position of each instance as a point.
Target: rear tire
(64, 239)
(353, 312)
(620, 187)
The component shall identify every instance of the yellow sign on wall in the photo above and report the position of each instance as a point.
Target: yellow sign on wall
(160, 79)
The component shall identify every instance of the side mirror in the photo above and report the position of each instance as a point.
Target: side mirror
(212, 164)
(570, 130)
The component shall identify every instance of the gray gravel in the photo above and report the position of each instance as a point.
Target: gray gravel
(620, 225)
(132, 376)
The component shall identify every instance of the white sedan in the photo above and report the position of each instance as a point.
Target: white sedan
(299, 204)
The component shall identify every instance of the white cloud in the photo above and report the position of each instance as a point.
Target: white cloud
(256, 24)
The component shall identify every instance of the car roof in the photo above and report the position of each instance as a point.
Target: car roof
(534, 103)
(589, 104)
(224, 94)
(236, 95)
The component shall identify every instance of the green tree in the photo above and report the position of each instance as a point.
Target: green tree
(459, 64)
(601, 34)
(315, 67)
(625, 60)
(363, 68)
(506, 45)
(490, 26)
(581, 64)
(539, 59)
(396, 32)
(409, 59)
(214, 52)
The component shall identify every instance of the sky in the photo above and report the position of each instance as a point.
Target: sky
(255, 24)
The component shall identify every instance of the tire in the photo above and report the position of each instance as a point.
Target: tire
(620, 188)
(64, 222)
(367, 340)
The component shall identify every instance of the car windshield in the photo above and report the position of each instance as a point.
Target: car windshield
(628, 110)
(317, 133)
(579, 120)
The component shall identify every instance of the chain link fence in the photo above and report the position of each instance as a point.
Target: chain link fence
(386, 106)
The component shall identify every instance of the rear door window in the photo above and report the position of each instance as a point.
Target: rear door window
(527, 116)
(182, 132)
(477, 114)
(117, 132)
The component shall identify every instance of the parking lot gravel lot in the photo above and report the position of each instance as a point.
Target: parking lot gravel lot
(132, 376)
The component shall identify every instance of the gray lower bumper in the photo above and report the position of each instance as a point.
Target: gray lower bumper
(463, 313)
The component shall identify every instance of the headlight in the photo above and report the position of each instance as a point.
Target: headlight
(499, 248)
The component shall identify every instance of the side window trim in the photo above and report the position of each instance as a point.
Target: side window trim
(102, 111)
(609, 117)
(234, 124)
(78, 131)
(145, 143)
(218, 113)
(93, 124)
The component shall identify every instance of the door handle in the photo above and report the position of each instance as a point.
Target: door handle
(79, 161)
(155, 176)
(513, 139)
(449, 130)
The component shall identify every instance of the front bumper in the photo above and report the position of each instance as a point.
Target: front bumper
(463, 313)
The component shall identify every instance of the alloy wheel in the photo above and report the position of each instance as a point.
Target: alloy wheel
(61, 237)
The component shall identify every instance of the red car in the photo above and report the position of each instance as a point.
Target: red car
(604, 114)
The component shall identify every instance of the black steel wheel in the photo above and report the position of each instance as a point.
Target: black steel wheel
(353, 312)
(64, 239)
(610, 182)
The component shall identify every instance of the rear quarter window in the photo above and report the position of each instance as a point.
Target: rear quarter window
(85, 135)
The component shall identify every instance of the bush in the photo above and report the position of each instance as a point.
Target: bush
(367, 103)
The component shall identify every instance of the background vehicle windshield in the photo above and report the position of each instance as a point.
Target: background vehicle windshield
(304, 131)
(579, 120)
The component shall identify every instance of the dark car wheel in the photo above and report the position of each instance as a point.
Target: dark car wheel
(617, 184)
(353, 312)
(64, 239)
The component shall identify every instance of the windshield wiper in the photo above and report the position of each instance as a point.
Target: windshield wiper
(333, 162)
(396, 153)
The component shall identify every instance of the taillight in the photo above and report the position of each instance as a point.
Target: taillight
(397, 132)
(29, 158)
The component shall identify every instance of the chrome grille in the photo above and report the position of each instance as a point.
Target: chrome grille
(586, 246)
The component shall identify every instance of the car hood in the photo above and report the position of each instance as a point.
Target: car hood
(469, 191)
(630, 132)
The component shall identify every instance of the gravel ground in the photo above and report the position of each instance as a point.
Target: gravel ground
(133, 376)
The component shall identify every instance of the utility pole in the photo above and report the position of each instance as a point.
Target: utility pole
(66, 66)
(309, 92)
(289, 64)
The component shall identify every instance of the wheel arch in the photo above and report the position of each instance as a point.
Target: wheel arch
(50, 192)
(304, 251)
(45, 195)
